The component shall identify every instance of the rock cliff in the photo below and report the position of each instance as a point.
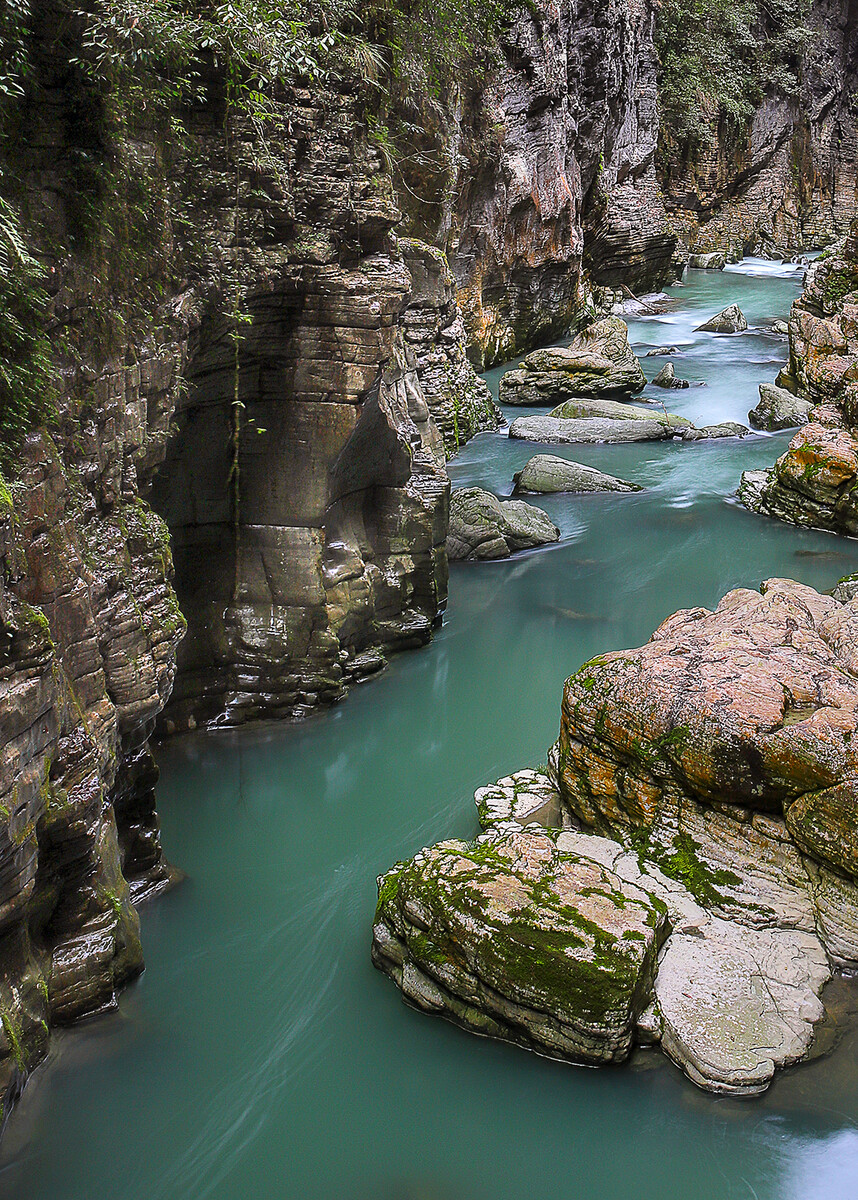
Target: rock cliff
(786, 178)
(813, 482)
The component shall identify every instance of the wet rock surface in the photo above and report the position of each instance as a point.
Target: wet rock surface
(666, 378)
(711, 774)
(779, 409)
(481, 526)
(730, 320)
(599, 364)
(814, 482)
(546, 473)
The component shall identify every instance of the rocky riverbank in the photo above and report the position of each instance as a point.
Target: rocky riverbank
(813, 483)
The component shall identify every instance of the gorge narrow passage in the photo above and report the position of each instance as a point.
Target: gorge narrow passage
(261, 1054)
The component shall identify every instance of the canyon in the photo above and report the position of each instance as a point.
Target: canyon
(240, 507)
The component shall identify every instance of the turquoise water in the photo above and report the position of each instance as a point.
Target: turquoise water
(261, 1056)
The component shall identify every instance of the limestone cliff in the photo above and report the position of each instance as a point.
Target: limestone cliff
(787, 178)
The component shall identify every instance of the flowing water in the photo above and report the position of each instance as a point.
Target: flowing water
(261, 1056)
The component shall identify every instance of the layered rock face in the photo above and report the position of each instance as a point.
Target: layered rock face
(569, 175)
(306, 498)
(792, 180)
(705, 782)
(813, 483)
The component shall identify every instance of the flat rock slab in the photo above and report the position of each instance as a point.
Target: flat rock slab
(738, 1003)
(516, 939)
(483, 527)
(579, 408)
(726, 429)
(545, 473)
(589, 430)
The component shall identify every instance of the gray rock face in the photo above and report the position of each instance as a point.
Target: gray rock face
(730, 320)
(545, 473)
(716, 260)
(779, 409)
(726, 429)
(814, 482)
(459, 401)
(481, 526)
(554, 431)
(599, 364)
(666, 378)
(570, 171)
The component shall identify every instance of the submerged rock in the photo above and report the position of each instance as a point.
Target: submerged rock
(726, 429)
(516, 938)
(598, 364)
(729, 320)
(778, 409)
(481, 526)
(666, 378)
(546, 473)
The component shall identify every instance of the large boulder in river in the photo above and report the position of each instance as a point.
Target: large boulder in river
(779, 409)
(545, 473)
(715, 260)
(518, 939)
(481, 526)
(729, 320)
(599, 363)
(717, 768)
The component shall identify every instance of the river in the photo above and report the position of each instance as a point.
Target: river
(261, 1056)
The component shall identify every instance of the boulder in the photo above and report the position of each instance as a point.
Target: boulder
(515, 938)
(729, 320)
(716, 260)
(780, 327)
(726, 429)
(546, 473)
(598, 364)
(483, 527)
(661, 351)
(717, 768)
(558, 431)
(779, 409)
(666, 378)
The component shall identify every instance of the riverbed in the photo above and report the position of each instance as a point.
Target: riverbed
(261, 1056)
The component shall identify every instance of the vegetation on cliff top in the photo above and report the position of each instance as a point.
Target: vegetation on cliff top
(719, 58)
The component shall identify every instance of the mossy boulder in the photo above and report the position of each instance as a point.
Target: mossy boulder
(545, 473)
(482, 527)
(599, 364)
(514, 938)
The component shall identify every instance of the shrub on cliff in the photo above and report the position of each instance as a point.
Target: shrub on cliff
(720, 57)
